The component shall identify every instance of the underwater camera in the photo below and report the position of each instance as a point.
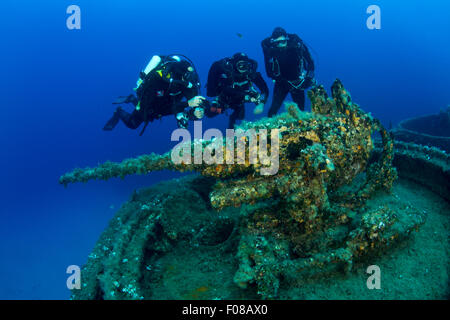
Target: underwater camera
(212, 108)
(205, 104)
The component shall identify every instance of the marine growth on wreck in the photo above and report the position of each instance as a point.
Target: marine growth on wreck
(309, 219)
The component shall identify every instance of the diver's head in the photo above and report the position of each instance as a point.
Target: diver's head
(184, 71)
(278, 32)
(279, 38)
(191, 77)
(242, 63)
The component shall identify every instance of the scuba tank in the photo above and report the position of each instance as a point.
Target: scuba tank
(154, 62)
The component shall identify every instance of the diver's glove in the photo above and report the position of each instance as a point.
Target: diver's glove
(307, 83)
(196, 101)
(309, 80)
(252, 96)
(182, 120)
(259, 108)
(199, 113)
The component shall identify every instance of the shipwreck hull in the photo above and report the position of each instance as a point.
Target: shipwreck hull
(430, 130)
(426, 166)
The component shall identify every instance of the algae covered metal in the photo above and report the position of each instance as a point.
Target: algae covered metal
(308, 218)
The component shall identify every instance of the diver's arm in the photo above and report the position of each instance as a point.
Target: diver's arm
(183, 102)
(180, 111)
(191, 109)
(309, 62)
(304, 54)
(308, 67)
(262, 86)
(267, 58)
(297, 43)
(212, 87)
(179, 107)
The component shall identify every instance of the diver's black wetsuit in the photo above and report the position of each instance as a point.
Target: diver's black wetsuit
(291, 67)
(163, 92)
(231, 87)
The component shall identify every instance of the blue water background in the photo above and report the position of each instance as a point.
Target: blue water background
(57, 86)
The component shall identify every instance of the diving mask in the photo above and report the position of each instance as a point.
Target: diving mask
(243, 66)
(280, 42)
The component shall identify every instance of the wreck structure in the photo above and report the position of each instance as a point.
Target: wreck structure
(308, 219)
(429, 130)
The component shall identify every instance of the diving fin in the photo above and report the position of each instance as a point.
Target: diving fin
(127, 99)
(143, 129)
(111, 124)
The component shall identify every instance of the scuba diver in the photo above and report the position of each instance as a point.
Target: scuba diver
(168, 85)
(230, 81)
(289, 63)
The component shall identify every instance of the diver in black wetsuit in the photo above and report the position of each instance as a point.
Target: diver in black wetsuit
(169, 85)
(289, 63)
(230, 81)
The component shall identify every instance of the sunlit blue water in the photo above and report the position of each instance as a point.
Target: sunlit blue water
(57, 86)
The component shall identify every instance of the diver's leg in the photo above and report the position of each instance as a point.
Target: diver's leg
(241, 114)
(279, 94)
(238, 114)
(128, 99)
(131, 120)
(232, 120)
(111, 124)
(299, 98)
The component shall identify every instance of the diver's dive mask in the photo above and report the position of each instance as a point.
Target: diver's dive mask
(243, 66)
(191, 76)
(280, 42)
(183, 71)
